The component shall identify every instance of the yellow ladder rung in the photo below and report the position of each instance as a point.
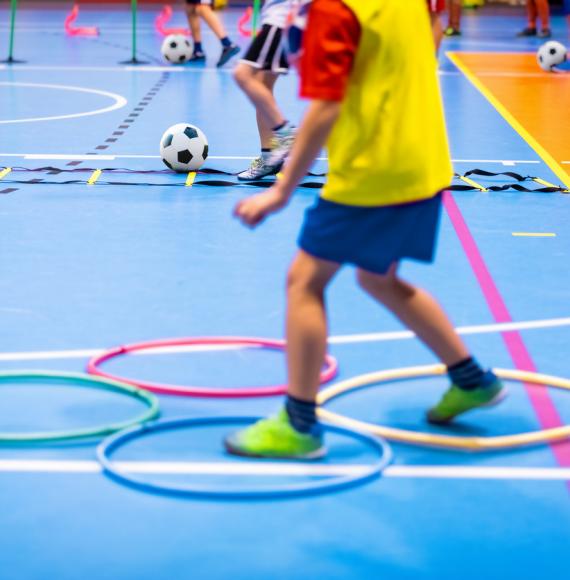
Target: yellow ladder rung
(190, 179)
(94, 177)
(472, 183)
(545, 183)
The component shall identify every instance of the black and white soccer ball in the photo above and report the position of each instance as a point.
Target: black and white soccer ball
(551, 54)
(176, 49)
(184, 148)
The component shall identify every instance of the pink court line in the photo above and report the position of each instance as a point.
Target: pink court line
(540, 400)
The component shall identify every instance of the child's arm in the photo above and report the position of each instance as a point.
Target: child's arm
(311, 137)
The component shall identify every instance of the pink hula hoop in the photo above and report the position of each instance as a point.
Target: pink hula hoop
(328, 373)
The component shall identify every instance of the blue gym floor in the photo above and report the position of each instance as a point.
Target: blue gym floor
(90, 267)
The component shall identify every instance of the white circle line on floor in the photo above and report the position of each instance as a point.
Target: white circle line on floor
(119, 102)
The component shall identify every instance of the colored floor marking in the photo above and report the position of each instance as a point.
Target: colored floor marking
(190, 179)
(94, 177)
(544, 408)
(341, 339)
(118, 102)
(535, 106)
(267, 469)
(71, 156)
(533, 235)
(472, 183)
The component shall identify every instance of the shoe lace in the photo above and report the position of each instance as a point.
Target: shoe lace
(256, 163)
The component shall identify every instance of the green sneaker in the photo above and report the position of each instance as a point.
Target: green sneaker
(275, 437)
(457, 401)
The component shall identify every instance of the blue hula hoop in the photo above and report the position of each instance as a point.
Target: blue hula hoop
(106, 449)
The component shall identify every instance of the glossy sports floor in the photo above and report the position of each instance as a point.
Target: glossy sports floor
(90, 267)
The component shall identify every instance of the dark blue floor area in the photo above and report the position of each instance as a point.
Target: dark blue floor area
(87, 268)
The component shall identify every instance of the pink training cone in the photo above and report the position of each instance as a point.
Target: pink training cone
(72, 30)
(243, 21)
(162, 20)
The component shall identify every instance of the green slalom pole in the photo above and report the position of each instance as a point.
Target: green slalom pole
(134, 7)
(13, 10)
(255, 21)
(134, 59)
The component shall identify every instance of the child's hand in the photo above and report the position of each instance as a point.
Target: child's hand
(253, 210)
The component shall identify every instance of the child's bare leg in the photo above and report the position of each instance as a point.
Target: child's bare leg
(455, 9)
(265, 129)
(212, 20)
(418, 311)
(437, 28)
(306, 323)
(543, 9)
(194, 23)
(259, 90)
(532, 13)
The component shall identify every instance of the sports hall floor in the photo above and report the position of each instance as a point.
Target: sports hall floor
(85, 268)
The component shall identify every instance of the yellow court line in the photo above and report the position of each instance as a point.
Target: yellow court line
(94, 177)
(190, 179)
(5, 172)
(510, 118)
(533, 235)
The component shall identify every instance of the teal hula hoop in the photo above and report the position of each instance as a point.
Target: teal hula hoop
(84, 381)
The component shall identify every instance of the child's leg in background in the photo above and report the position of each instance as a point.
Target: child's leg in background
(265, 129)
(455, 8)
(194, 23)
(437, 28)
(211, 19)
(543, 9)
(203, 9)
(258, 86)
(532, 13)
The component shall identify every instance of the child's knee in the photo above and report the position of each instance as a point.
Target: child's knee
(375, 283)
(202, 9)
(243, 74)
(297, 279)
(302, 279)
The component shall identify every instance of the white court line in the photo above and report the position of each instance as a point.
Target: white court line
(289, 469)
(465, 330)
(119, 102)
(506, 162)
(67, 157)
(120, 68)
(70, 156)
(344, 339)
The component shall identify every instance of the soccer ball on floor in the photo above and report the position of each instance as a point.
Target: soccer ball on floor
(551, 54)
(184, 148)
(176, 49)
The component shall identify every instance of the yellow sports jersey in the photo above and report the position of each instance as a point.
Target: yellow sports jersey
(389, 145)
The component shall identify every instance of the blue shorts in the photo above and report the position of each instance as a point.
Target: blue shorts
(372, 238)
